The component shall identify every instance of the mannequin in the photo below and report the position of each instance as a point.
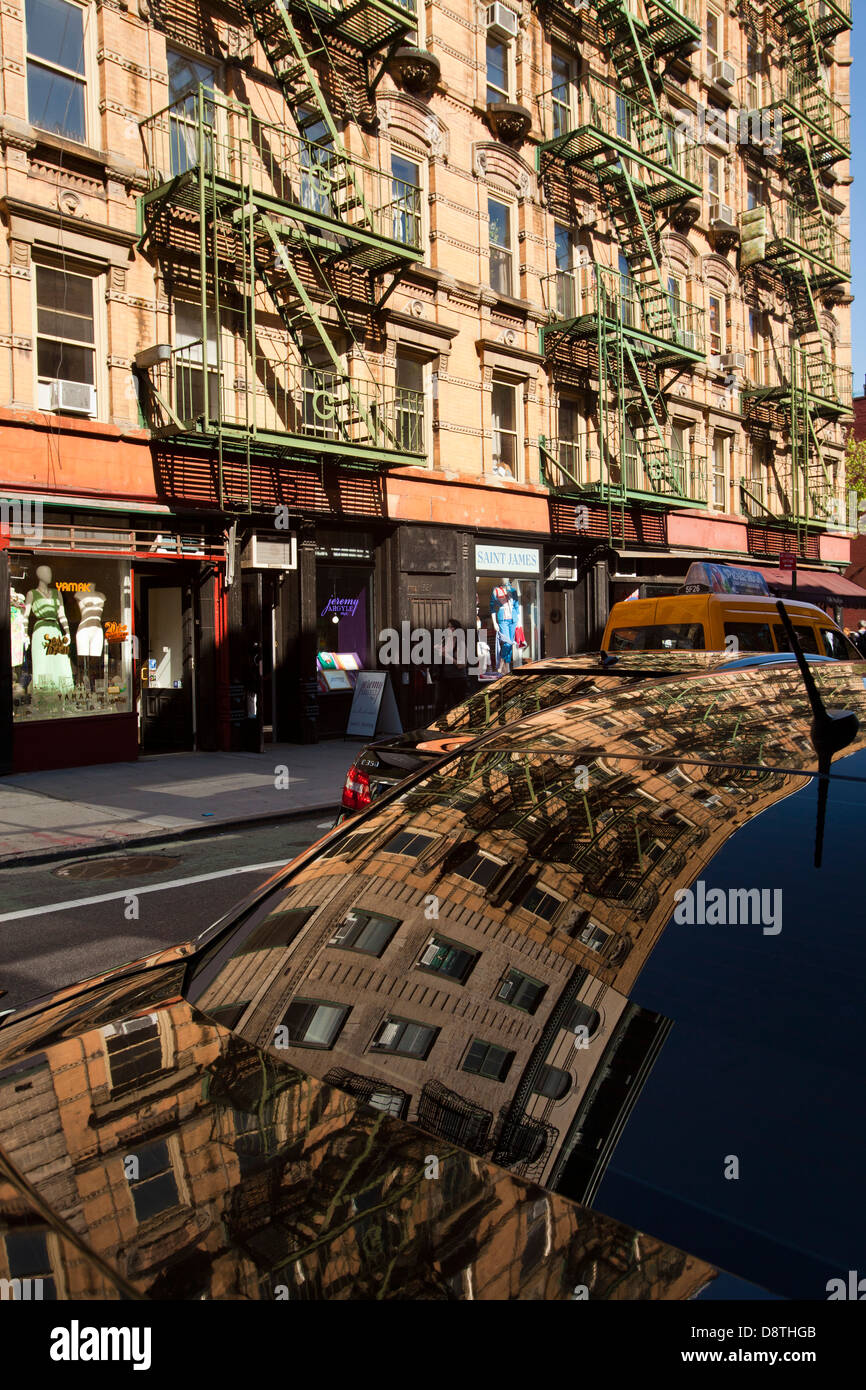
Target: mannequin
(20, 639)
(89, 640)
(50, 638)
(504, 605)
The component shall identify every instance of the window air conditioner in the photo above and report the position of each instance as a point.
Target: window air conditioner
(722, 216)
(689, 341)
(734, 361)
(261, 553)
(499, 17)
(73, 397)
(724, 74)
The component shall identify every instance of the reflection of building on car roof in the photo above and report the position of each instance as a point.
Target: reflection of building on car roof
(721, 609)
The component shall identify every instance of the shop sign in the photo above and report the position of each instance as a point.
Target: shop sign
(507, 559)
(116, 632)
(343, 607)
(68, 587)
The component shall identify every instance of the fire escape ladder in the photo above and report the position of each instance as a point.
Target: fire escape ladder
(631, 49)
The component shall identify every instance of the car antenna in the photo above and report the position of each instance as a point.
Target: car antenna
(831, 730)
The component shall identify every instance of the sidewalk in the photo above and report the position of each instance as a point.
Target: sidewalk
(48, 815)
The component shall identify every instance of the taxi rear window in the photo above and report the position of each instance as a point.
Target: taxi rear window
(661, 637)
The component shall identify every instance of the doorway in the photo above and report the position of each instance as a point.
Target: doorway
(165, 628)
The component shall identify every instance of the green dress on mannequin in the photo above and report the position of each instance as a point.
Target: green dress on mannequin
(49, 644)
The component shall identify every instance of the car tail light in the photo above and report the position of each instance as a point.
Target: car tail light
(356, 792)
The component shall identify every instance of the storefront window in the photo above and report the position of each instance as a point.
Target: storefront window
(71, 629)
(507, 605)
(343, 607)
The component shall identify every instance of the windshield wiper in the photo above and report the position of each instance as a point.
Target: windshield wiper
(831, 730)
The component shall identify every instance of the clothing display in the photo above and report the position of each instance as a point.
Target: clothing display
(505, 609)
(18, 602)
(52, 669)
(89, 638)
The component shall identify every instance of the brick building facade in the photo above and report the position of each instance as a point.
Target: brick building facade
(321, 318)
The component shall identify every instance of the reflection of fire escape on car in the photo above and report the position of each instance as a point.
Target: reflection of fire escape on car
(450, 1116)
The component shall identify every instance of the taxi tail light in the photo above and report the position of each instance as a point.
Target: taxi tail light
(356, 791)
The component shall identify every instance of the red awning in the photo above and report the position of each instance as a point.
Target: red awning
(815, 586)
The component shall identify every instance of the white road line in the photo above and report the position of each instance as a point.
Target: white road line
(137, 892)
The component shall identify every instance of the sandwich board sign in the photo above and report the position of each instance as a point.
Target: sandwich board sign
(374, 709)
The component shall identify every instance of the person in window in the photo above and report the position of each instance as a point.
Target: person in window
(504, 605)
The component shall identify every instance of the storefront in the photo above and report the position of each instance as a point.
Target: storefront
(507, 605)
(72, 657)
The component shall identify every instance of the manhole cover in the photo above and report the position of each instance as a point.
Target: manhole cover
(119, 866)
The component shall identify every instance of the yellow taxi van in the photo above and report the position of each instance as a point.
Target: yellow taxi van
(721, 608)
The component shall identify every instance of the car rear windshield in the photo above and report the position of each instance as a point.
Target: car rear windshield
(662, 637)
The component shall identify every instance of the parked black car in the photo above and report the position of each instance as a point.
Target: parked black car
(606, 958)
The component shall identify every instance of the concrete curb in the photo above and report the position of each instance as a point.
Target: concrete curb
(160, 836)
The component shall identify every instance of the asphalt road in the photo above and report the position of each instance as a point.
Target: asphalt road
(53, 933)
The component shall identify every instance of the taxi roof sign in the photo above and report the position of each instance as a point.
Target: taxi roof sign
(707, 578)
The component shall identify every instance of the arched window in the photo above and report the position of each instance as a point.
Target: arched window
(552, 1082)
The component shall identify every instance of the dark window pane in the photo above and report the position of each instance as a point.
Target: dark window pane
(64, 361)
(27, 1252)
(808, 640)
(278, 929)
(55, 325)
(55, 31)
(314, 1024)
(447, 959)
(154, 1196)
(552, 1082)
(486, 1059)
(55, 102)
(751, 637)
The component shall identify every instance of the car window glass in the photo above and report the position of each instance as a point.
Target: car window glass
(751, 637)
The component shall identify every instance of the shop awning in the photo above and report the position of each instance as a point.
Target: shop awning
(814, 586)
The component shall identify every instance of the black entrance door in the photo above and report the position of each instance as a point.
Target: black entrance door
(167, 665)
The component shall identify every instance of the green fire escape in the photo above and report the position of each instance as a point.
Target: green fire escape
(798, 239)
(640, 323)
(268, 232)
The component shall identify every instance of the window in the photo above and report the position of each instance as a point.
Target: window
(189, 359)
(750, 637)
(594, 936)
(504, 408)
(808, 640)
(311, 1023)
(412, 843)
(715, 326)
(277, 931)
(663, 637)
(365, 931)
(405, 200)
(480, 868)
(155, 1189)
(753, 76)
(403, 1036)
(410, 404)
(499, 59)
(581, 1015)
(542, 903)
(721, 446)
(134, 1050)
(447, 958)
(521, 991)
(565, 287)
(65, 338)
(563, 120)
(714, 38)
(487, 1059)
(715, 179)
(56, 88)
(552, 1082)
(754, 194)
(501, 278)
(317, 165)
(27, 1253)
(185, 75)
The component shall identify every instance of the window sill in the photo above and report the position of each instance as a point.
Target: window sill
(63, 145)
